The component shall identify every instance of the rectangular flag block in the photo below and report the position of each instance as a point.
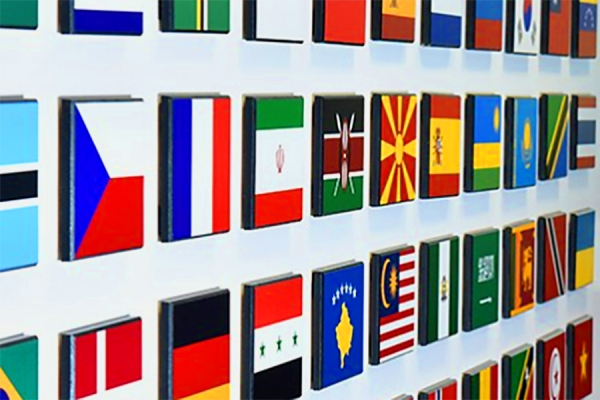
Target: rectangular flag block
(580, 358)
(195, 346)
(481, 279)
(582, 144)
(393, 20)
(556, 27)
(554, 134)
(518, 283)
(440, 146)
(18, 183)
(195, 16)
(518, 373)
(520, 142)
(101, 17)
(441, 23)
(393, 148)
(337, 323)
(274, 144)
(582, 234)
(104, 359)
(483, 147)
(484, 24)
(194, 166)
(444, 390)
(101, 186)
(19, 371)
(481, 382)
(550, 357)
(272, 338)
(404, 397)
(393, 303)
(339, 21)
(276, 21)
(337, 154)
(551, 256)
(523, 26)
(19, 14)
(439, 289)
(584, 26)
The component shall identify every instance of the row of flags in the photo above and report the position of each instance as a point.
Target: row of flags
(539, 264)
(556, 27)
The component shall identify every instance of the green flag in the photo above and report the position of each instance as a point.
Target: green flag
(19, 14)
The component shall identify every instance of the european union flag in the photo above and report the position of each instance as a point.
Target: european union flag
(338, 323)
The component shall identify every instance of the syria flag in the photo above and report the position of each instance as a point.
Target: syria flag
(551, 373)
(580, 360)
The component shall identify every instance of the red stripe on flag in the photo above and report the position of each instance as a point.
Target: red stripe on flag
(200, 366)
(396, 332)
(276, 302)
(397, 316)
(445, 107)
(494, 382)
(397, 348)
(587, 44)
(407, 281)
(586, 162)
(444, 185)
(587, 102)
(277, 207)
(407, 266)
(407, 251)
(123, 354)
(221, 164)
(331, 154)
(397, 28)
(450, 392)
(85, 365)
(488, 34)
(406, 298)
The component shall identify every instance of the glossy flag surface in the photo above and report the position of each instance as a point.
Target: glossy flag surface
(272, 338)
(520, 142)
(440, 146)
(582, 145)
(19, 371)
(585, 28)
(551, 366)
(552, 256)
(18, 183)
(484, 24)
(582, 234)
(439, 289)
(393, 320)
(210, 16)
(444, 390)
(102, 17)
(580, 358)
(195, 346)
(339, 22)
(103, 360)
(393, 149)
(441, 23)
(338, 154)
(19, 14)
(556, 27)
(393, 20)
(523, 27)
(481, 382)
(518, 373)
(518, 269)
(102, 188)
(338, 325)
(554, 133)
(195, 152)
(483, 148)
(273, 161)
(275, 21)
(481, 278)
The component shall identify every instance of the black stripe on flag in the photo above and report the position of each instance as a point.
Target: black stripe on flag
(554, 247)
(282, 381)
(18, 186)
(201, 319)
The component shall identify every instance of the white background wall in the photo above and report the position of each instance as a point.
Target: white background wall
(56, 296)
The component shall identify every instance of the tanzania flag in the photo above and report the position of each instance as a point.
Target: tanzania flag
(520, 144)
(518, 270)
(194, 346)
(554, 131)
(556, 27)
(445, 390)
(582, 231)
(440, 146)
(338, 324)
(552, 256)
(393, 20)
(393, 149)
(273, 161)
(550, 360)
(19, 368)
(585, 28)
(439, 292)
(482, 148)
(19, 14)
(195, 16)
(518, 373)
(484, 24)
(481, 278)
(582, 153)
(338, 147)
(481, 383)
(272, 340)
(580, 361)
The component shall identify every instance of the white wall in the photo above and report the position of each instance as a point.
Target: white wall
(56, 296)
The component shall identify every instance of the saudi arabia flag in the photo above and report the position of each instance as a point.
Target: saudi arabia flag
(439, 286)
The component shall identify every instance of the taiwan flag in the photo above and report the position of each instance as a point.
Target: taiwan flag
(556, 27)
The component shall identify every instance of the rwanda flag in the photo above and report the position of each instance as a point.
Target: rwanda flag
(19, 368)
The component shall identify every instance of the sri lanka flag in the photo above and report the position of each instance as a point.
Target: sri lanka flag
(102, 17)
(585, 27)
(484, 24)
